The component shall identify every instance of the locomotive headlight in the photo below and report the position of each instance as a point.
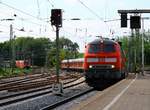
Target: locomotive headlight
(112, 66)
(90, 66)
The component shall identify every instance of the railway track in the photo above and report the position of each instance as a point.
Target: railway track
(49, 101)
(28, 85)
(59, 103)
(17, 97)
(19, 79)
(22, 80)
(33, 82)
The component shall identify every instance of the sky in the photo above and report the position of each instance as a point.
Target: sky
(34, 17)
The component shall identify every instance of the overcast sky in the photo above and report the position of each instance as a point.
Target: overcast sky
(92, 14)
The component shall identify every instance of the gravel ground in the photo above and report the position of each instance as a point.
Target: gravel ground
(42, 101)
(4, 92)
(72, 103)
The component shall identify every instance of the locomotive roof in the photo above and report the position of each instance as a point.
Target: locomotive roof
(105, 41)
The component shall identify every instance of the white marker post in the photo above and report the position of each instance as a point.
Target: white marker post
(57, 88)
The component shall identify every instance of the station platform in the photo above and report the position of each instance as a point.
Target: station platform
(132, 93)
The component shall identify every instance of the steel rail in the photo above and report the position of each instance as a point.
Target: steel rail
(44, 92)
(52, 106)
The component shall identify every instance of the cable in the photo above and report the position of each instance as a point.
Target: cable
(22, 19)
(26, 20)
(20, 10)
(112, 20)
(51, 3)
(93, 13)
(91, 10)
(38, 6)
(20, 30)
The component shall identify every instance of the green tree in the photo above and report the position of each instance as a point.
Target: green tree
(68, 50)
(39, 50)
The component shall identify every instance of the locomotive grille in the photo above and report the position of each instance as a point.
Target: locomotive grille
(102, 66)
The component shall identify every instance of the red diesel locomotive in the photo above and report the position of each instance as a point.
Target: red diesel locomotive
(104, 59)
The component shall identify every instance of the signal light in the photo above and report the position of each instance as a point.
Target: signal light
(124, 19)
(56, 17)
(135, 22)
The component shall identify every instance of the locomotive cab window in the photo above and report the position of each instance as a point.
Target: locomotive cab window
(95, 48)
(109, 48)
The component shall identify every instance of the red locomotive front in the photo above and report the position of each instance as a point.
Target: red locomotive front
(104, 59)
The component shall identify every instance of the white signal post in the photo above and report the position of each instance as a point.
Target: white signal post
(143, 43)
(142, 46)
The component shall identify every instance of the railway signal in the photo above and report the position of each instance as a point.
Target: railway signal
(124, 19)
(56, 20)
(56, 17)
(135, 22)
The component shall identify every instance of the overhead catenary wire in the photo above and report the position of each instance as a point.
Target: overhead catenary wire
(31, 32)
(93, 12)
(19, 30)
(52, 4)
(23, 19)
(26, 20)
(38, 6)
(20, 11)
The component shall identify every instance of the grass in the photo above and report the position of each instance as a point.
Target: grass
(9, 72)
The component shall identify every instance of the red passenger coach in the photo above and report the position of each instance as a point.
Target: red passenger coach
(104, 59)
(73, 64)
(22, 64)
